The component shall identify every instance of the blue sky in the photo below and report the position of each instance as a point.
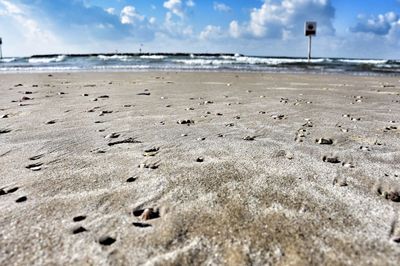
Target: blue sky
(346, 28)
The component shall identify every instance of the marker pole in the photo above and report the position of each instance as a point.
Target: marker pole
(309, 48)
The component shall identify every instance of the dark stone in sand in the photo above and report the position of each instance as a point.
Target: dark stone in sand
(250, 138)
(324, 141)
(106, 240)
(103, 97)
(393, 196)
(12, 190)
(185, 122)
(144, 93)
(330, 159)
(50, 122)
(79, 218)
(141, 225)
(25, 98)
(131, 179)
(78, 230)
(200, 159)
(21, 199)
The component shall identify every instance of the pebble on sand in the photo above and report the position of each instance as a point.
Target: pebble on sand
(185, 122)
(324, 141)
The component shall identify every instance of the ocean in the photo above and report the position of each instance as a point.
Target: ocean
(196, 62)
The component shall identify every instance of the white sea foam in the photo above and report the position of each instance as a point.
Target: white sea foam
(45, 60)
(114, 57)
(8, 60)
(363, 61)
(230, 60)
(156, 57)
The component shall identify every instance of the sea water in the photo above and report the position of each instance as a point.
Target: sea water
(196, 62)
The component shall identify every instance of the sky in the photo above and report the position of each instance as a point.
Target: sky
(345, 28)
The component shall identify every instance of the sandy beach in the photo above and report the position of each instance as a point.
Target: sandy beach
(165, 168)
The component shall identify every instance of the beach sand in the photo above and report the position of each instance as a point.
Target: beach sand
(164, 168)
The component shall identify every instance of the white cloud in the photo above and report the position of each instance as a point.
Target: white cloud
(379, 25)
(29, 27)
(234, 29)
(110, 10)
(152, 20)
(11, 8)
(174, 6)
(221, 7)
(283, 19)
(129, 15)
(211, 32)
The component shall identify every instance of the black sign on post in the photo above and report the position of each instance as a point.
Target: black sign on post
(310, 29)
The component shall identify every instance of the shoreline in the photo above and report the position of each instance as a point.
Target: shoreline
(136, 71)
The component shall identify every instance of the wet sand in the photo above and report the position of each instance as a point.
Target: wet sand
(199, 168)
